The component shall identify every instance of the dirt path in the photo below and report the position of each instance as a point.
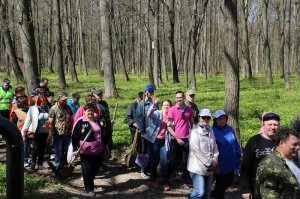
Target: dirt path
(119, 182)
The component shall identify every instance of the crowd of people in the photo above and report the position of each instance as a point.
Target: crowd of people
(177, 138)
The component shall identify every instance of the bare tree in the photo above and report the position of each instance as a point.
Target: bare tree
(287, 44)
(232, 83)
(28, 44)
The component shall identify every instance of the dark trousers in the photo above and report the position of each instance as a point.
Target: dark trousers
(39, 145)
(5, 114)
(179, 152)
(89, 167)
(159, 155)
(222, 183)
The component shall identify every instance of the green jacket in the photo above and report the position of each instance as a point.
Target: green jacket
(274, 179)
(5, 97)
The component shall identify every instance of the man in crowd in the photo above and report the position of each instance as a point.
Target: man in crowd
(180, 121)
(6, 97)
(278, 175)
(74, 102)
(255, 150)
(43, 84)
(189, 100)
(131, 114)
(61, 122)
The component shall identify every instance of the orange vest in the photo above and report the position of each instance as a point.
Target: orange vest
(21, 118)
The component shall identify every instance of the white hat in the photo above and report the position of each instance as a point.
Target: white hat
(204, 112)
(219, 113)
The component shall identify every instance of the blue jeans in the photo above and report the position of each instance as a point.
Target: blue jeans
(26, 149)
(202, 186)
(159, 155)
(61, 144)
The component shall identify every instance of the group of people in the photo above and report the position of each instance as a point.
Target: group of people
(44, 123)
(179, 138)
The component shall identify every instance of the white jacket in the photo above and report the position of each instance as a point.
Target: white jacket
(203, 149)
(31, 121)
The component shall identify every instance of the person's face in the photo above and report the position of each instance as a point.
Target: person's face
(149, 94)
(76, 100)
(138, 99)
(190, 98)
(92, 100)
(165, 106)
(5, 85)
(221, 121)
(289, 148)
(204, 120)
(89, 113)
(50, 99)
(44, 83)
(271, 128)
(99, 96)
(62, 102)
(179, 98)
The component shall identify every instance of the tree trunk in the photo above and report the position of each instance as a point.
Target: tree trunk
(10, 50)
(51, 48)
(156, 65)
(232, 84)
(59, 49)
(267, 53)
(107, 54)
(297, 42)
(287, 44)
(186, 59)
(28, 44)
(245, 45)
(149, 45)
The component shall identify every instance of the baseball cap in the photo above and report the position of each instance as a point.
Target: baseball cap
(97, 91)
(62, 96)
(191, 92)
(219, 113)
(270, 116)
(149, 88)
(5, 80)
(204, 112)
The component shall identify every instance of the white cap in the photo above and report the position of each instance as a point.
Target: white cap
(219, 113)
(204, 112)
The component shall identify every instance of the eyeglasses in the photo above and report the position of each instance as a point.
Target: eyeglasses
(206, 117)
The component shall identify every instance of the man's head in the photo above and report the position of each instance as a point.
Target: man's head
(90, 98)
(22, 102)
(179, 96)
(287, 143)
(149, 91)
(190, 95)
(6, 83)
(44, 82)
(98, 93)
(270, 124)
(50, 97)
(75, 97)
(139, 96)
(62, 98)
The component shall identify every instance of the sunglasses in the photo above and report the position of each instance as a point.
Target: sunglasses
(206, 117)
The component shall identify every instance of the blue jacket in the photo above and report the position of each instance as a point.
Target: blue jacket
(73, 107)
(150, 127)
(229, 149)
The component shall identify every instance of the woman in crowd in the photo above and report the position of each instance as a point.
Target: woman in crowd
(203, 156)
(37, 131)
(159, 146)
(80, 111)
(229, 153)
(91, 152)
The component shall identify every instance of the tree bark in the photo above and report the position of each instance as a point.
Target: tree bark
(107, 54)
(59, 49)
(232, 84)
(287, 44)
(28, 44)
(156, 66)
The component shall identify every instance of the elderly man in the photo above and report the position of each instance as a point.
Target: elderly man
(256, 149)
(189, 101)
(277, 175)
(6, 97)
(61, 122)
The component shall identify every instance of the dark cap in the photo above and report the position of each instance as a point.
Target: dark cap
(270, 116)
(149, 88)
(97, 91)
(62, 96)
(5, 80)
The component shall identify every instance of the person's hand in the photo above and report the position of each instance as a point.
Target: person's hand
(75, 153)
(246, 196)
(154, 100)
(214, 163)
(135, 125)
(180, 141)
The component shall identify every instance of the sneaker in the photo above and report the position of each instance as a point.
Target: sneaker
(155, 184)
(26, 164)
(145, 176)
(166, 187)
(32, 167)
(91, 194)
(41, 167)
